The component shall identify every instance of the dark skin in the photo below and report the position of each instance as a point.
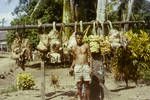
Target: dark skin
(81, 55)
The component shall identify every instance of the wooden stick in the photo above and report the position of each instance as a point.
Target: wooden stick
(42, 81)
(36, 7)
(60, 24)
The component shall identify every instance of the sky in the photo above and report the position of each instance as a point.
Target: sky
(5, 10)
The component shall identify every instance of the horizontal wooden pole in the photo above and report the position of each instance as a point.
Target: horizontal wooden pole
(60, 24)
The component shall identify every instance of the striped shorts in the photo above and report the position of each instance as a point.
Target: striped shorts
(82, 72)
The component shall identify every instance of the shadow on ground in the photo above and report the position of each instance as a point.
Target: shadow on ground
(52, 95)
(122, 88)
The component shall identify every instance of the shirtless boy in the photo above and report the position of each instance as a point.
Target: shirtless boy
(81, 66)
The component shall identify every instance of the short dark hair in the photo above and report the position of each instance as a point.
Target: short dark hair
(79, 33)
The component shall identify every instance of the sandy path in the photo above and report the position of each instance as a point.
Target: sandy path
(67, 86)
(6, 64)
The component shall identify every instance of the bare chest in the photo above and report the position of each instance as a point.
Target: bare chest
(80, 50)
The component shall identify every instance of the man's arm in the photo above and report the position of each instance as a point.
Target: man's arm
(73, 60)
(89, 56)
(73, 64)
(73, 57)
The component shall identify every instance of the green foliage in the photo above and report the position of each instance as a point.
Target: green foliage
(33, 38)
(140, 50)
(51, 10)
(146, 75)
(89, 13)
(10, 38)
(139, 46)
(140, 10)
(48, 12)
(25, 81)
(135, 59)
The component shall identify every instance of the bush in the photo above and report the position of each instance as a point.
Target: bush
(146, 75)
(133, 61)
(25, 81)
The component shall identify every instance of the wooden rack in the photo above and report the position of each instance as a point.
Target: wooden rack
(65, 25)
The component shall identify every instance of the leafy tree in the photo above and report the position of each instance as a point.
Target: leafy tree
(48, 12)
(52, 10)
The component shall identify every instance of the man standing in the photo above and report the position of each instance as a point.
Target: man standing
(81, 66)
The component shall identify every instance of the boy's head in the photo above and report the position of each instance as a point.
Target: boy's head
(79, 37)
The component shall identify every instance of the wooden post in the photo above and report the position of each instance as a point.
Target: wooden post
(42, 81)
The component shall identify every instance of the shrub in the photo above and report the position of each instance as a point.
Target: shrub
(133, 61)
(25, 81)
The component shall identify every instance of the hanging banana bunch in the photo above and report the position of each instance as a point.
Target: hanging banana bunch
(114, 36)
(94, 40)
(99, 43)
(105, 46)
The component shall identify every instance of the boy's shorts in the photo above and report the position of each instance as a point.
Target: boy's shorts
(82, 71)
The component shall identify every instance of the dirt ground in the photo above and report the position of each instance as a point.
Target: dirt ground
(66, 91)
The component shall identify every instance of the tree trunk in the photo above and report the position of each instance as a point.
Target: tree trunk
(101, 10)
(101, 5)
(130, 4)
(67, 18)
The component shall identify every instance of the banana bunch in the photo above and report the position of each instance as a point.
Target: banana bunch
(105, 46)
(99, 44)
(94, 38)
(115, 40)
(94, 43)
(94, 46)
(25, 81)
